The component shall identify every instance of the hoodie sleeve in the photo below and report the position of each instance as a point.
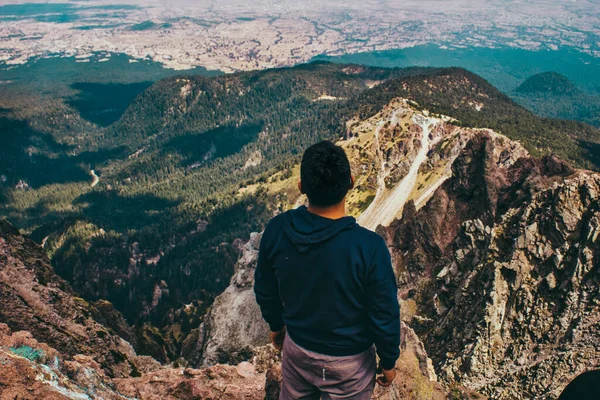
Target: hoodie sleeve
(265, 284)
(383, 307)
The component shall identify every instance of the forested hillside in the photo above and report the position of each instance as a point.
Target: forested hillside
(147, 212)
(552, 95)
(548, 82)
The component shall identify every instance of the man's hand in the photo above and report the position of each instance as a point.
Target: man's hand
(387, 377)
(277, 338)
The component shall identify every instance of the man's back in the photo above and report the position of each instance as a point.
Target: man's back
(335, 281)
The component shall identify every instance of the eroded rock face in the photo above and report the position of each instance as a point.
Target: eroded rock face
(523, 303)
(234, 326)
(36, 300)
(502, 265)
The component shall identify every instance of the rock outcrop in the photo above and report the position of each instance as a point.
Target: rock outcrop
(233, 328)
(522, 299)
(36, 300)
(502, 267)
(32, 370)
(217, 382)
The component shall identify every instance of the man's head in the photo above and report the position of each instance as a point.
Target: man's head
(325, 175)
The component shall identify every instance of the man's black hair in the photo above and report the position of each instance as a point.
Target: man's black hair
(325, 174)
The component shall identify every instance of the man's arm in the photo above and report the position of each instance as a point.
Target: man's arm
(265, 286)
(383, 308)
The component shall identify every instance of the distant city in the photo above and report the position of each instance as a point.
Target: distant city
(233, 35)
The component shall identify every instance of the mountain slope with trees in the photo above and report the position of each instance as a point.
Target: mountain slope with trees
(552, 95)
(158, 235)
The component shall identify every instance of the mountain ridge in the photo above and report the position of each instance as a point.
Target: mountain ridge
(554, 96)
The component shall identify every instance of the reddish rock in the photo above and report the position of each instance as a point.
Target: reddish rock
(36, 300)
(219, 381)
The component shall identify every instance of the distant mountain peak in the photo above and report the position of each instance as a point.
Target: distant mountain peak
(548, 82)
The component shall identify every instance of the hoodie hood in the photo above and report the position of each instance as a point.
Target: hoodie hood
(305, 229)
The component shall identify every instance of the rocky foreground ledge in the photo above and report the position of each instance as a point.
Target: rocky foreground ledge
(33, 370)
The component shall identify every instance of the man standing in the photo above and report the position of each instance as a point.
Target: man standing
(329, 284)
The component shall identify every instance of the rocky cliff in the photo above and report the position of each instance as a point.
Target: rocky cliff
(518, 307)
(36, 300)
(501, 267)
(233, 329)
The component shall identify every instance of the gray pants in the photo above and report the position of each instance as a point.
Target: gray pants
(309, 375)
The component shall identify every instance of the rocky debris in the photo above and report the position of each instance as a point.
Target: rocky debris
(502, 264)
(233, 328)
(33, 370)
(216, 382)
(265, 357)
(36, 300)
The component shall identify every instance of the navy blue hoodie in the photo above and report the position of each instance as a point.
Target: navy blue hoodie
(331, 283)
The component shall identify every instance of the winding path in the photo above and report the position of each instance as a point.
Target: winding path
(95, 178)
